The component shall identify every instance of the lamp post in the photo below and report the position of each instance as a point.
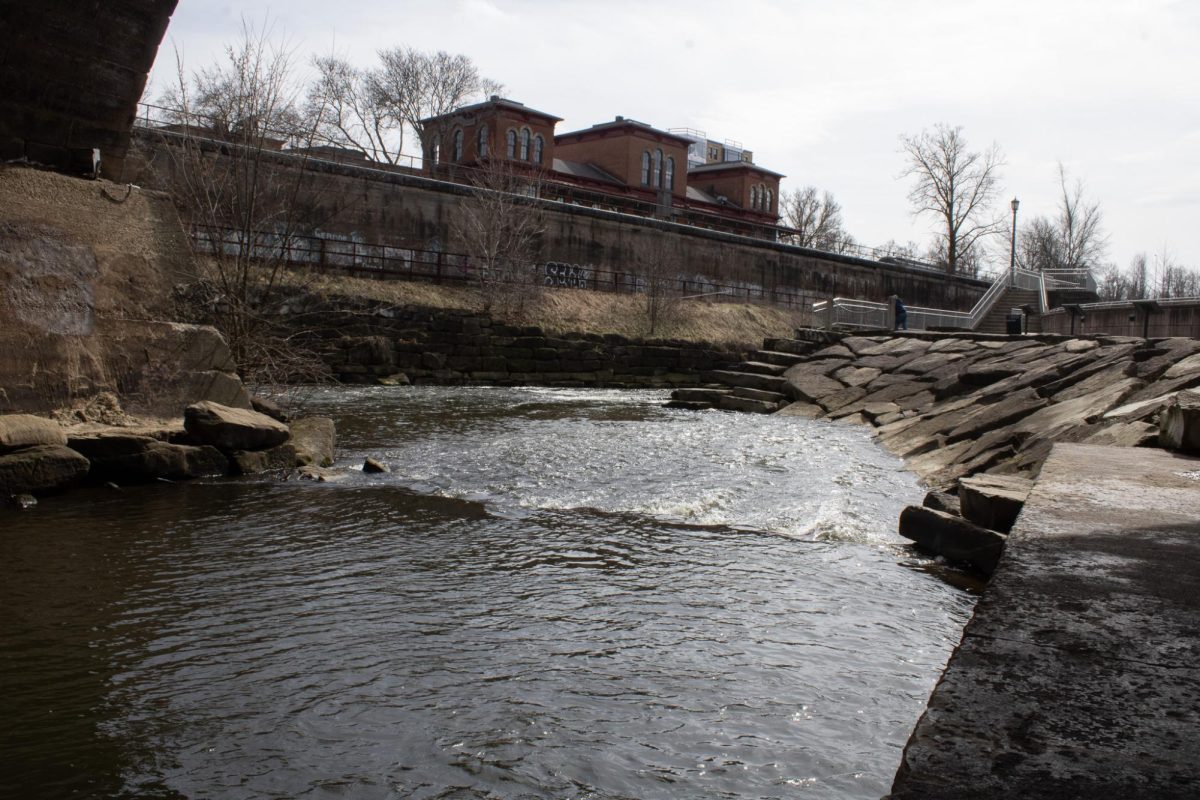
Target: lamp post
(1012, 257)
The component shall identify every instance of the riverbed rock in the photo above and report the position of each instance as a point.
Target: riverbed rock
(373, 466)
(315, 439)
(993, 501)
(41, 468)
(127, 458)
(1179, 425)
(232, 429)
(320, 475)
(25, 430)
(953, 538)
(1125, 434)
(255, 462)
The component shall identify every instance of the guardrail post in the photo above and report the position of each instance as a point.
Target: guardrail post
(440, 257)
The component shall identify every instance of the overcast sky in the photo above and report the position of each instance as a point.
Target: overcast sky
(822, 91)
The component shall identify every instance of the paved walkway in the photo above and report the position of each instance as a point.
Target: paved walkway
(1079, 675)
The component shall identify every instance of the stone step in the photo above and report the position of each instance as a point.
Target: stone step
(761, 368)
(776, 357)
(758, 394)
(733, 403)
(689, 405)
(770, 383)
(700, 395)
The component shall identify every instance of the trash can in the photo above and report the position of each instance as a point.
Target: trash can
(1012, 324)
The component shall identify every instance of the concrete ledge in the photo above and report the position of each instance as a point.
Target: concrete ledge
(1079, 675)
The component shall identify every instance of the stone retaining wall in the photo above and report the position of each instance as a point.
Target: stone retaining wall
(365, 343)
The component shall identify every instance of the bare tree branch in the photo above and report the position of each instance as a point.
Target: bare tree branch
(955, 186)
(816, 220)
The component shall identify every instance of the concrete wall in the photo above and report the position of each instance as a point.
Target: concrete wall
(1177, 318)
(409, 211)
(71, 74)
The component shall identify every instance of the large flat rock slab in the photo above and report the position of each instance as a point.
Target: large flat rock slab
(1079, 674)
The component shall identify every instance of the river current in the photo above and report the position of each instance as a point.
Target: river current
(555, 594)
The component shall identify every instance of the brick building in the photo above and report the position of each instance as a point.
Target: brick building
(623, 164)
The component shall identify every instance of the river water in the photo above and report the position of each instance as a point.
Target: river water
(555, 594)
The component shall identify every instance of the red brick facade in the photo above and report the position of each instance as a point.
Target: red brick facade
(623, 161)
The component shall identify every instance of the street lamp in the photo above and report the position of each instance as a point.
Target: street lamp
(1012, 260)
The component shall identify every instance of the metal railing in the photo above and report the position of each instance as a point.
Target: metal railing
(864, 314)
(328, 253)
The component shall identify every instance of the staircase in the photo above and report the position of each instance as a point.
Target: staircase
(755, 385)
(1012, 297)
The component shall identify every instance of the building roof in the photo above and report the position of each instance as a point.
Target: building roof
(702, 196)
(495, 101)
(629, 124)
(731, 165)
(588, 172)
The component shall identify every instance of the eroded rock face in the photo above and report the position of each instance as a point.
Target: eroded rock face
(232, 429)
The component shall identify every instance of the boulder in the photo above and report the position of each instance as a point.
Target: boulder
(993, 501)
(40, 468)
(315, 439)
(396, 379)
(1055, 420)
(1125, 434)
(232, 429)
(809, 386)
(125, 458)
(265, 405)
(26, 430)
(371, 466)
(802, 410)
(254, 462)
(857, 376)
(953, 538)
(1179, 425)
(942, 501)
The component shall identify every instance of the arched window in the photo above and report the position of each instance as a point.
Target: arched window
(435, 152)
(481, 146)
(658, 159)
(537, 149)
(511, 136)
(671, 173)
(768, 197)
(524, 144)
(754, 197)
(457, 148)
(645, 168)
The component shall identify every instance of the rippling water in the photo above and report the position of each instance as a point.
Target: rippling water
(556, 594)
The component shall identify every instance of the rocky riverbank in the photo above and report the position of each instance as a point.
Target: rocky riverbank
(974, 416)
(40, 455)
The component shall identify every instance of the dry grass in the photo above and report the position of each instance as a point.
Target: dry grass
(563, 310)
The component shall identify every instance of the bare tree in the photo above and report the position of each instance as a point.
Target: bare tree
(658, 269)
(1081, 238)
(815, 220)
(501, 226)
(411, 86)
(246, 201)
(1039, 245)
(345, 108)
(956, 186)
